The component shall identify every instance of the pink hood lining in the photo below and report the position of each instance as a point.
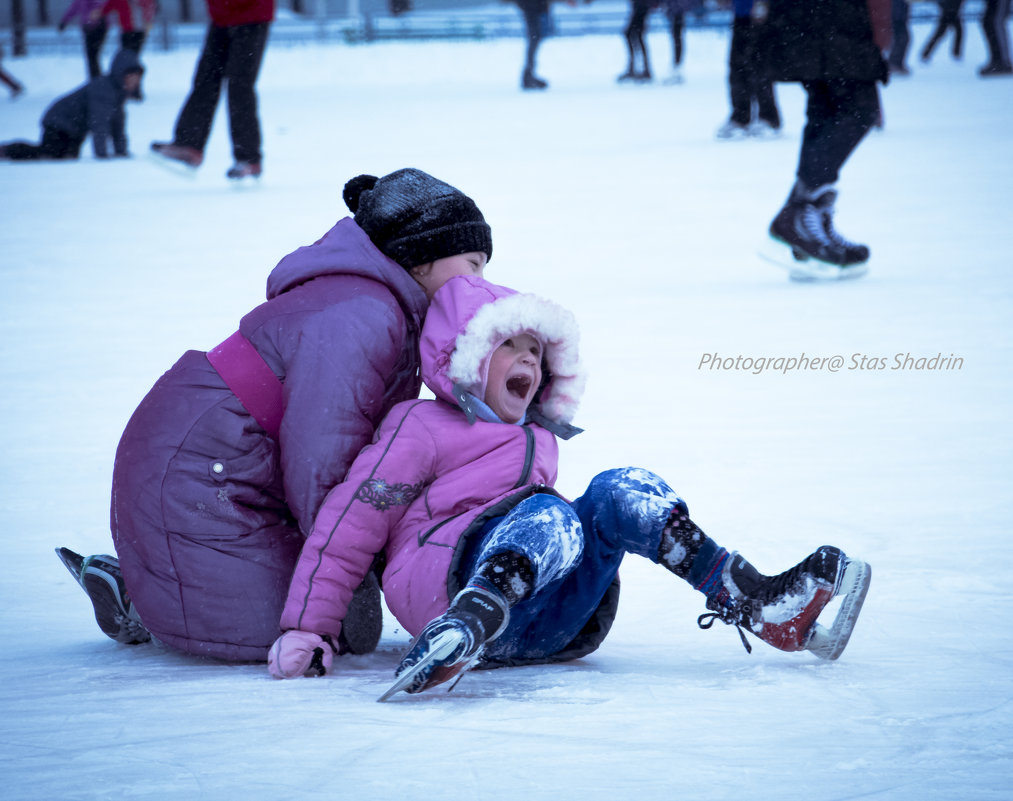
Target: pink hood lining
(494, 314)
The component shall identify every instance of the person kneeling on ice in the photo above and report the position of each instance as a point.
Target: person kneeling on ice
(485, 563)
(95, 108)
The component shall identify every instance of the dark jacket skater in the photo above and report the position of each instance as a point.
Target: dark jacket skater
(834, 48)
(95, 108)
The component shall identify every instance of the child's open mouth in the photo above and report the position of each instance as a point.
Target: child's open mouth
(519, 385)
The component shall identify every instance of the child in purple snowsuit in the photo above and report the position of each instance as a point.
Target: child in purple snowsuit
(484, 560)
(222, 467)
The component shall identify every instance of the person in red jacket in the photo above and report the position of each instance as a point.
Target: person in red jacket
(233, 51)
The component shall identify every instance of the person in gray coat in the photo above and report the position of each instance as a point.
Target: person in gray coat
(95, 108)
(222, 467)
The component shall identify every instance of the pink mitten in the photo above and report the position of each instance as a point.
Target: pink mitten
(301, 653)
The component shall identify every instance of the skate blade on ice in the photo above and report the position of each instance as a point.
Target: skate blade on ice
(801, 267)
(74, 562)
(442, 646)
(829, 642)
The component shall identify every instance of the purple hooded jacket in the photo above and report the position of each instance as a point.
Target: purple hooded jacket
(209, 512)
(434, 471)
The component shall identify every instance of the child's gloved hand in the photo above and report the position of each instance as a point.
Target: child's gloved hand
(301, 653)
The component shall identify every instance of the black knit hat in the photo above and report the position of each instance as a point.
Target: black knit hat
(414, 218)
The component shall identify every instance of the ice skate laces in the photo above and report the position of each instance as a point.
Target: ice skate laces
(732, 615)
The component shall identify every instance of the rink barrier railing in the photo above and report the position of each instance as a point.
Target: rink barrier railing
(464, 24)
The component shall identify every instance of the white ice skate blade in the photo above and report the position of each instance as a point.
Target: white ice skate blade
(807, 269)
(829, 642)
(442, 646)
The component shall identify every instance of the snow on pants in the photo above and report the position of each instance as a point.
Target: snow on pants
(575, 550)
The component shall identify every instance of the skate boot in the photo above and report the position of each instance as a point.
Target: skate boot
(101, 578)
(805, 224)
(451, 643)
(782, 610)
(732, 131)
(531, 81)
(180, 155)
(243, 169)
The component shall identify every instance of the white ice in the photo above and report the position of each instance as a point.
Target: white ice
(617, 202)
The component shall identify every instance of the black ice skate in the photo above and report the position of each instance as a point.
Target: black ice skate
(101, 578)
(179, 159)
(531, 81)
(819, 252)
(451, 643)
(244, 169)
(783, 610)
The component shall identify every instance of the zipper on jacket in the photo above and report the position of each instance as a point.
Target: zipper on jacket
(529, 460)
(424, 538)
(529, 457)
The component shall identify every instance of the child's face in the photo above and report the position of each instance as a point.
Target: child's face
(515, 371)
(131, 81)
(435, 274)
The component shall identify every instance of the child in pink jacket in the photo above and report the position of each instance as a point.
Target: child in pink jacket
(483, 560)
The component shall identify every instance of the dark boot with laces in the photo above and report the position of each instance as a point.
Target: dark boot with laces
(805, 224)
(782, 610)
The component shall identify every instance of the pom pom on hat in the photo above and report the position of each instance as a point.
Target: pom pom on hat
(355, 187)
(414, 218)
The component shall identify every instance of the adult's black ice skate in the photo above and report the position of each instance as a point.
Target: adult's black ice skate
(782, 610)
(819, 252)
(531, 81)
(181, 159)
(100, 576)
(451, 643)
(244, 169)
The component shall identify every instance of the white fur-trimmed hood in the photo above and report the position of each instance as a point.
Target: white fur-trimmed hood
(490, 314)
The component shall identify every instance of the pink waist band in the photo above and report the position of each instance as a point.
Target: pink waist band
(245, 372)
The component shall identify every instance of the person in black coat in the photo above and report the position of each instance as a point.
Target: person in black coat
(993, 26)
(536, 20)
(95, 108)
(834, 48)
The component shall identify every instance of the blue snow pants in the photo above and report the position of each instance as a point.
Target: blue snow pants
(575, 550)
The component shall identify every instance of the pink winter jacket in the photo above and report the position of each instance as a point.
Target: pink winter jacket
(433, 469)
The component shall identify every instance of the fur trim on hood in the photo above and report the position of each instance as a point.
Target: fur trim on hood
(469, 318)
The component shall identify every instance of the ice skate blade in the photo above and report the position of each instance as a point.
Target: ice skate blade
(805, 269)
(829, 642)
(74, 562)
(441, 647)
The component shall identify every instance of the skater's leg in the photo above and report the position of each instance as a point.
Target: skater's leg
(246, 53)
(193, 126)
(838, 116)
(94, 38)
(739, 72)
(55, 144)
(514, 559)
(677, 20)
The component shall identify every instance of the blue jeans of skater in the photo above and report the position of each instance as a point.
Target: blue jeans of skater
(575, 550)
